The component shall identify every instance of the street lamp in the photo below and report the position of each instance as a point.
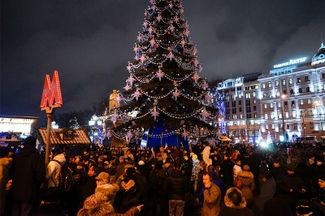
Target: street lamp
(283, 96)
(96, 124)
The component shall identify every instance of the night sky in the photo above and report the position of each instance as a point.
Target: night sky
(90, 43)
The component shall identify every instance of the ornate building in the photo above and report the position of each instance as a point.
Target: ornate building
(279, 106)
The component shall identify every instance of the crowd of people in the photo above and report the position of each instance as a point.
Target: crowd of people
(225, 180)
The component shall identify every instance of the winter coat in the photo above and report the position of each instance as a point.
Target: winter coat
(212, 199)
(226, 172)
(53, 170)
(206, 155)
(28, 174)
(96, 205)
(5, 164)
(247, 178)
(124, 200)
(176, 186)
(229, 208)
(285, 183)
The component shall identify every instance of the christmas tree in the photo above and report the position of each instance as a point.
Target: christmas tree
(164, 95)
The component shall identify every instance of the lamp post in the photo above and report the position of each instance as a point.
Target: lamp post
(96, 123)
(283, 96)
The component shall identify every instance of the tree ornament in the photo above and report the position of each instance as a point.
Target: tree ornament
(160, 74)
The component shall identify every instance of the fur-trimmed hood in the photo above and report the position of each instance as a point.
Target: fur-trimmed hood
(109, 190)
(229, 203)
(244, 173)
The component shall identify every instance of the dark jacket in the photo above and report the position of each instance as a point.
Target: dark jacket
(285, 183)
(28, 173)
(176, 186)
(125, 200)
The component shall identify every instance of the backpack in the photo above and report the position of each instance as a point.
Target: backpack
(65, 177)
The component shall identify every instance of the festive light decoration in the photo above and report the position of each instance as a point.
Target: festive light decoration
(163, 83)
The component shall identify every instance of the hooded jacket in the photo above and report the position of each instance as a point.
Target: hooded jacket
(28, 174)
(230, 208)
(176, 185)
(53, 170)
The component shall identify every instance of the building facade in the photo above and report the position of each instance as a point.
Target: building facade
(280, 106)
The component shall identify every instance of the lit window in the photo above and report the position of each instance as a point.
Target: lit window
(270, 84)
(301, 102)
(306, 78)
(309, 101)
(290, 81)
(298, 80)
(265, 106)
(266, 116)
(283, 82)
(263, 85)
(254, 94)
(279, 104)
(271, 105)
(276, 83)
(254, 101)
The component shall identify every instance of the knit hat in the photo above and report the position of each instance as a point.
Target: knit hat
(103, 176)
(141, 162)
(30, 141)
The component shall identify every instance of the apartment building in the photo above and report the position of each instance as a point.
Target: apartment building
(286, 103)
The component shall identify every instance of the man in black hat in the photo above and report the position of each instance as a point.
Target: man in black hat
(28, 173)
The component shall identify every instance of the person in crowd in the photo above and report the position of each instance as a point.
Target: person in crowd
(226, 171)
(186, 165)
(89, 187)
(248, 185)
(128, 155)
(254, 164)
(308, 207)
(109, 190)
(97, 205)
(28, 173)
(129, 194)
(156, 191)
(5, 164)
(75, 194)
(217, 179)
(176, 187)
(168, 166)
(195, 171)
(305, 173)
(120, 167)
(277, 169)
(143, 169)
(206, 155)
(234, 204)
(276, 206)
(236, 168)
(53, 169)
(211, 196)
(318, 172)
(102, 178)
(290, 186)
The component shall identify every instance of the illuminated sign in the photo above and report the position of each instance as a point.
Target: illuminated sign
(291, 62)
(51, 97)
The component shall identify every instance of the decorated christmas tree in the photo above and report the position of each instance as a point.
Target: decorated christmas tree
(164, 99)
